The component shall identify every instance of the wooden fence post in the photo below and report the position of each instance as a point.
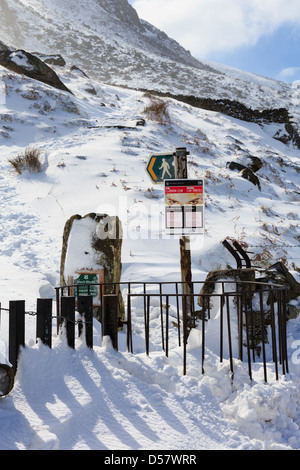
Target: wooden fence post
(16, 330)
(110, 312)
(44, 321)
(68, 319)
(85, 307)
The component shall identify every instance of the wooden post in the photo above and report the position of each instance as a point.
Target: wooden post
(110, 313)
(16, 330)
(184, 242)
(68, 318)
(44, 321)
(85, 308)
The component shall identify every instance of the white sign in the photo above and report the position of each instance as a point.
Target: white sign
(184, 207)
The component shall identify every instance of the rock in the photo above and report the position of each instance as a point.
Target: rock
(23, 62)
(7, 378)
(250, 176)
(255, 165)
(279, 274)
(213, 277)
(4, 47)
(52, 59)
(90, 243)
(245, 172)
(235, 166)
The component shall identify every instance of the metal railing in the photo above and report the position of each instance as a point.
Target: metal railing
(249, 318)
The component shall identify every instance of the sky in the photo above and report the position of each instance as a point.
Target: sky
(258, 36)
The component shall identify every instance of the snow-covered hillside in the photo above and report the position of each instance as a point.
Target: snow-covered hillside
(94, 158)
(110, 42)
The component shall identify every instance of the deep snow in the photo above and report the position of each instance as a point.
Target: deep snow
(102, 399)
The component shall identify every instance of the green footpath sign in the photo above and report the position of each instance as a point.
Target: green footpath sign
(161, 167)
(82, 280)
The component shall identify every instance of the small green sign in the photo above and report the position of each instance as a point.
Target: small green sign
(83, 280)
(161, 167)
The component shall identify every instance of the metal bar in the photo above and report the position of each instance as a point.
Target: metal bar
(184, 324)
(203, 337)
(110, 314)
(167, 325)
(44, 321)
(16, 330)
(247, 336)
(145, 308)
(252, 326)
(263, 333)
(68, 314)
(229, 334)
(57, 291)
(240, 324)
(161, 317)
(273, 332)
(178, 314)
(147, 324)
(233, 253)
(85, 308)
(284, 302)
(129, 326)
(221, 325)
(242, 252)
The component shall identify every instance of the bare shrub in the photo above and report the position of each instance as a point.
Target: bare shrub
(157, 110)
(29, 161)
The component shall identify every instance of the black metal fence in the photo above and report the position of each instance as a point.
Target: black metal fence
(249, 318)
(66, 322)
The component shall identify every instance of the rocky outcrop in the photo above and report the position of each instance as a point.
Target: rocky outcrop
(245, 172)
(279, 274)
(232, 108)
(216, 277)
(52, 59)
(240, 111)
(23, 62)
(4, 47)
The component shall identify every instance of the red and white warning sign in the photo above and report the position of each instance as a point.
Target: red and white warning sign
(184, 206)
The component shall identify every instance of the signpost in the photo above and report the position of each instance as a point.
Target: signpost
(184, 242)
(184, 209)
(161, 167)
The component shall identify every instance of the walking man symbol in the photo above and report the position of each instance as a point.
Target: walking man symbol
(165, 167)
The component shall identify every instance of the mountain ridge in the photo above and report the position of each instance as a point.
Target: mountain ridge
(109, 41)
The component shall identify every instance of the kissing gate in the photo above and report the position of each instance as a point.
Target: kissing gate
(246, 320)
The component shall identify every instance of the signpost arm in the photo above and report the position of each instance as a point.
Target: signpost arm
(185, 252)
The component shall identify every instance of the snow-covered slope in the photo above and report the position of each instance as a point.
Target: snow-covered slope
(109, 41)
(94, 158)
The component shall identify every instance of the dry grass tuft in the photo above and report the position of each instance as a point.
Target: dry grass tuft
(157, 110)
(30, 161)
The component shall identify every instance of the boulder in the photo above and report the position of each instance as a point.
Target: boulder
(255, 163)
(90, 243)
(7, 377)
(23, 62)
(215, 277)
(245, 172)
(279, 274)
(52, 59)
